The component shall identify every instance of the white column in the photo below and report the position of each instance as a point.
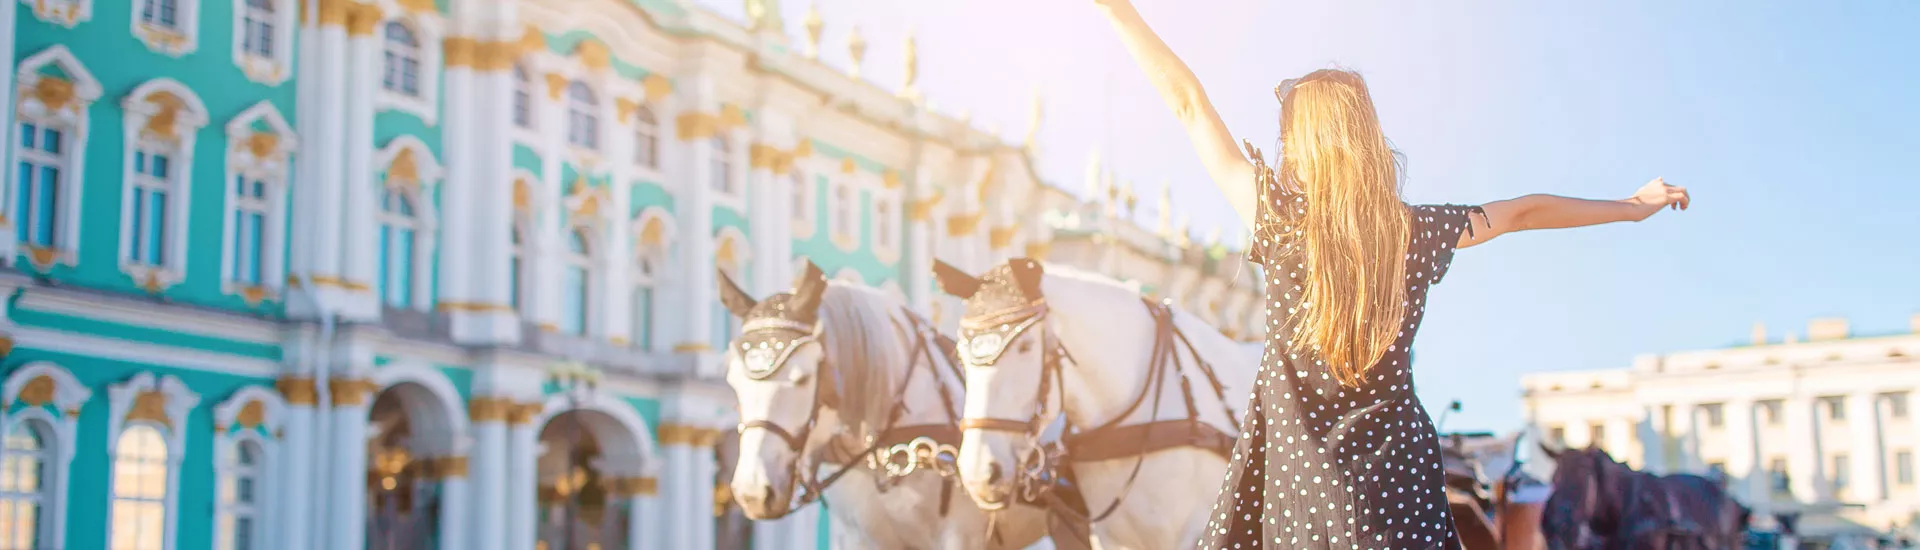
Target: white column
(296, 513)
(546, 237)
(492, 157)
(1743, 454)
(347, 503)
(1619, 438)
(647, 521)
(489, 473)
(454, 505)
(920, 238)
(694, 209)
(1687, 417)
(705, 474)
(763, 209)
(616, 290)
(1863, 449)
(1803, 460)
(325, 131)
(523, 483)
(8, 243)
(1653, 439)
(358, 241)
(457, 134)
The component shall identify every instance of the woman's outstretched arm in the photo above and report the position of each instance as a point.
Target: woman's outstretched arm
(1552, 212)
(1231, 171)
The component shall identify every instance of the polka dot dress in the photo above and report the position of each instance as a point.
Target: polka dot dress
(1321, 465)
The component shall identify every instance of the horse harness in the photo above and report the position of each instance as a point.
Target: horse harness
(1042, 478)
(895, 451)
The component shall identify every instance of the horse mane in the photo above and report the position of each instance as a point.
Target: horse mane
(862, 336)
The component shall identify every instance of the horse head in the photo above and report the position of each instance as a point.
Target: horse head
(1585, 504)
(775, 368)
(1006, 347)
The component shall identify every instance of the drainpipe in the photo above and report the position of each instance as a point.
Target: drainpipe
(322, 411)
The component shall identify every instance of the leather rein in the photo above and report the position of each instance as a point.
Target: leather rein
(896, 451)
(1041, 470)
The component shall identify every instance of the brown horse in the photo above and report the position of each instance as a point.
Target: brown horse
(1599, 503)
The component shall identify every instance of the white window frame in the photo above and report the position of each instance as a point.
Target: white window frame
(426, 31)
(804, 188)
(66, 13)
(141, 106)
(843, 211)
(584, 111)
(60, 414)
(732, 193)
(657, 254)
(176, 41)
(522, 273)
(425, 217)
(647, 125)
(886, 222)
(178, 400)
(277, 66)
(228, 436)
(71, 118)
(523, 89)
(588, 262)
(274, 168)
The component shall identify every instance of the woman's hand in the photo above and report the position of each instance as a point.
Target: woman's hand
(1658, 194)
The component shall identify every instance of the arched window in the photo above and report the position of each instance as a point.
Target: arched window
(722, 163)
(160, 13)
(251, 209)
(139, 489)
(844, 212)
(646, 138)
(152, 187)
(399, 227)
(239, 522)
(517, 272)
(256, 29)
(24, 481)
(522, 97)
(883, 223)
(573, 316)
(401, 70)
(645, 264)
(583, 119)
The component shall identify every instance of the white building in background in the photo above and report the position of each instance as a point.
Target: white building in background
(1824, 427)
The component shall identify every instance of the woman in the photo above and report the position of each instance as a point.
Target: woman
(1336, 449)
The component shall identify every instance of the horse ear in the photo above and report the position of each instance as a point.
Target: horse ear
(1551, 450)
(737, 301)
(1027, 273)
(809, 287)
(954, 281)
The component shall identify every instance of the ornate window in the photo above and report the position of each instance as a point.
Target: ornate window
(259, 145)
(40, 420)
(263, 39)
(845, 214)
(399, 244)
(802, 202)
(146, 440)
(171, 27)
(576, 304)
(409, 67)
(583, 117)
(246, 443)
(884, 226)
(517, 271)
(66, 13)
(522, 97)
(722, 163)
(646, 139)
(654, 233)
(54, 94)
(162, 119)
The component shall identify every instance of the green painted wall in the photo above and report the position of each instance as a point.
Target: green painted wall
(89, 489)
(108, 50)
(820, 248)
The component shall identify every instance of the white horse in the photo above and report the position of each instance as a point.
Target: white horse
(843, 391)
(1153, 427)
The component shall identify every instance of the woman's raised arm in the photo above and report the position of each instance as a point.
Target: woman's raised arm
(1230, 169)
(1554, 212)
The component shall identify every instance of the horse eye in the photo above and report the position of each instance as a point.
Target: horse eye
(801, 379)
(1025, 346)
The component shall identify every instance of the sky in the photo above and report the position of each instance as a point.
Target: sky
(1794, 124)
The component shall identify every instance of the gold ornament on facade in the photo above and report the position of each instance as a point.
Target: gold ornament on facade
(1001, 237)
(42, 257)
(350, 392)
(1038, 251)
(495, 55)
(986, 184)
(922, 210)
(522, 194)
(487, 409)
(556, 85)
(522, 413)
(890, 179)
(333, 13)
(252, 415)
(814, 27)
(38, 391)
(623, 108)
(657, 87)
(695, 125)
(761, 156)
(150, 406)
(531, 40)
(164, 123)
(593, 54)
(253, 294)
(450, 467)
(1033, 120)
(6, 344)
(152, 283)
(53, 92)
(959, 225)
(732, 116)
(363, 18)
(459, 51)
(419, 6)
(298, 391)
(404, 170)
(913, 65)
(692, 347)
(857, 49)
(262, 144)
(847, 165)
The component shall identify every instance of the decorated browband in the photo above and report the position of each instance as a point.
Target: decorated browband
(764, 357)
(987, 335)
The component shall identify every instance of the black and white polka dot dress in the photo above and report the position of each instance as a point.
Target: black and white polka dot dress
(1321, 465)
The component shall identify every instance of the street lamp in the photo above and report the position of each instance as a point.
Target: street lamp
(577, 381)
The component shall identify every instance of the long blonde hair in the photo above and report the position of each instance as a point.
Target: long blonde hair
(1354, 230)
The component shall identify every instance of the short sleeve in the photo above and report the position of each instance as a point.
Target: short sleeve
(1280, 207)
(1436, 232)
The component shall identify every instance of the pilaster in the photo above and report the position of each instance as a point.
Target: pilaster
(616, 309)
(455, 502)
(693, 130)
(549, 100)
(489, 472)
(458, 132)
(296, 527)
(768, 212)
(918, 207)
(1743, 452)
(487, 316)
(1863, 448)
(1804, 461)
(523, 482)
(9, 244)
(319, 188)
(689, 476)
(358, 246)
(347, 502)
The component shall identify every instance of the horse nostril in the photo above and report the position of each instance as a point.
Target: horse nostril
(993, 474)
(766, 494)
